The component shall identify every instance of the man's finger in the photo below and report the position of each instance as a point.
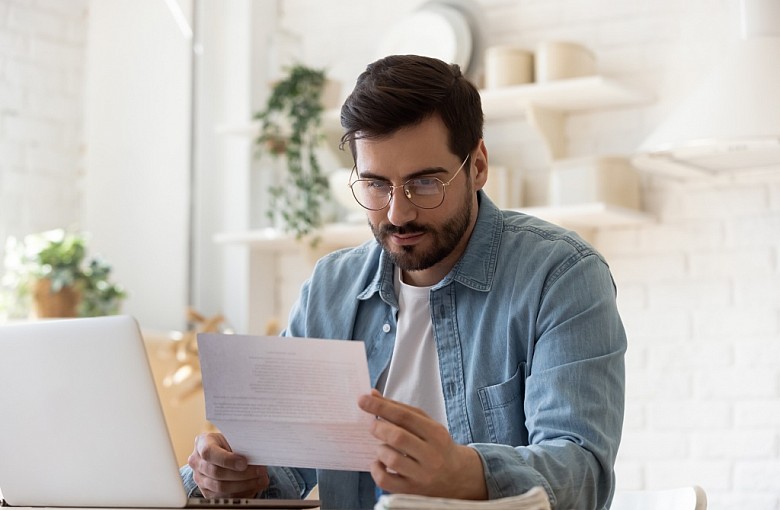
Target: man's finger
(416, 410)
(401, 440)
(407, 417)
(217, 452)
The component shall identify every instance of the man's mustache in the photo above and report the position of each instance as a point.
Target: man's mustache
(409, 228)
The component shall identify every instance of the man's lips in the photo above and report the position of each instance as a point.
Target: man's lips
(406, 239)
(406, 235)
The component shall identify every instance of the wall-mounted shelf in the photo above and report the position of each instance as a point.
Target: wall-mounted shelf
(331, 237)
(589, 216)
(576, 94)
(544, 106)
(562, 96)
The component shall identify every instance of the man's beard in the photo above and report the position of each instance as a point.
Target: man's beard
(444, 239)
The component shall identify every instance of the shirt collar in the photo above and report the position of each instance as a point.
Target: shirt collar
(477, 267)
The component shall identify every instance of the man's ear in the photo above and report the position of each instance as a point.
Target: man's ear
(480, 166)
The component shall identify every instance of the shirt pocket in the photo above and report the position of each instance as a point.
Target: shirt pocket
(502, 404)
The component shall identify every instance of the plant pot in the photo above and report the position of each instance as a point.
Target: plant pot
(277, 145)
(46, 303)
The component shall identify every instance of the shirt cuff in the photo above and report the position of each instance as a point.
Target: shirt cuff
(284, 484)
(507, 474)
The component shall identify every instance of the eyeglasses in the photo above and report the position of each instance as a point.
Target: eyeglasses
(422, 192)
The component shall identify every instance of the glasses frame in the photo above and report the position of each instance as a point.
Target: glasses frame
(407, 192)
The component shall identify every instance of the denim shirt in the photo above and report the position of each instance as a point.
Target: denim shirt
(531, 354)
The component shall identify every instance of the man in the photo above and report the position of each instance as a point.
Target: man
(492, 337)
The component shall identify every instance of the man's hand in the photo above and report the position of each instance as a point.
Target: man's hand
(418, 456)
(220, 473)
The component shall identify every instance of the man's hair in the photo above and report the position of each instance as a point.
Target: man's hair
(403, 90)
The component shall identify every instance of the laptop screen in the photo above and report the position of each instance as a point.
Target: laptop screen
(81, 421)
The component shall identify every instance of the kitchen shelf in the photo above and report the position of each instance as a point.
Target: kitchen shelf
(589, 216)
(332, 236)
(576, 94)
(544, 106)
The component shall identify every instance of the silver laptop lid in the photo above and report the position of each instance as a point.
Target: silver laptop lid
(80, 420)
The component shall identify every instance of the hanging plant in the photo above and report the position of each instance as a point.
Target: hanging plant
(291, 127)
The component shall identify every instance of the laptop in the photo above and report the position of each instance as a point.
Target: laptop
(81, 424)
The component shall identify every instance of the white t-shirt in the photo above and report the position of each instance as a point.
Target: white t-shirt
(413, 375)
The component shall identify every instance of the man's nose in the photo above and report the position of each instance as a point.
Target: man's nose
(401, 211)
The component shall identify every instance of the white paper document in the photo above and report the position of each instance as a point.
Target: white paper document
(289, 401)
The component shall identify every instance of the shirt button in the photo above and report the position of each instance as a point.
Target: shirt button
(386, 328)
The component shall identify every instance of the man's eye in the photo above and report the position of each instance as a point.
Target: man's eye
(377, 186)
(424, 186)
(424, 182)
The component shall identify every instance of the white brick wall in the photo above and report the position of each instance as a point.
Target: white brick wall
(42, 49)
(703, 319)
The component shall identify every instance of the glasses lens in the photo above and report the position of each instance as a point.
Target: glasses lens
(371, 194)
(427, 192)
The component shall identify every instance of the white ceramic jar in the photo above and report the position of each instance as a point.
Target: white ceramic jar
(606, 179)
(561, 60)
(508, 65)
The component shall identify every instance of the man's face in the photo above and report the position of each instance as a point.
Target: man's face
(425, 242)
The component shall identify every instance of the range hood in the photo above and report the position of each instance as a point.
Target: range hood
(732, 121)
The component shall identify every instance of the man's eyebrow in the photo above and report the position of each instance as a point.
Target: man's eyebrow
(424, 172)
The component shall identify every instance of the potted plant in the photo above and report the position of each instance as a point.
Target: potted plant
(291, 127)
(49, 275)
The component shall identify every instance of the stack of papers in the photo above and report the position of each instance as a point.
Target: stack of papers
(534, 499)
